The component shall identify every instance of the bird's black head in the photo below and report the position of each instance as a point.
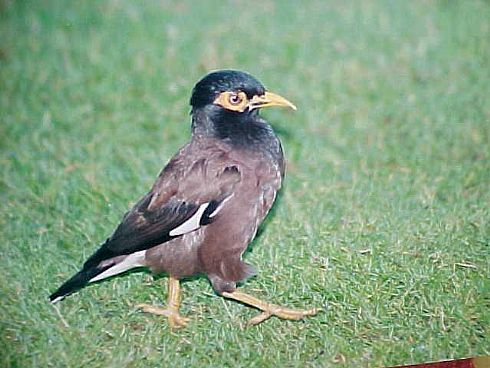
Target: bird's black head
(207, 90)
(225, 103)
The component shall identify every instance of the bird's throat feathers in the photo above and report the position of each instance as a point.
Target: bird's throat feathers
(244, 130)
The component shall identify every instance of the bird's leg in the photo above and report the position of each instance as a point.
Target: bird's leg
(175, 320)
(268, 309)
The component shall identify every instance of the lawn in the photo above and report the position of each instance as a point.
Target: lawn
(383, 221)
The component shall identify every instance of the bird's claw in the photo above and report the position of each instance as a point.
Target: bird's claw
(268, 309)
(283, 313)
(259, 318)
(175, 320)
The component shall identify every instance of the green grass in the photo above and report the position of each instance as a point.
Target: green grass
(384, 219)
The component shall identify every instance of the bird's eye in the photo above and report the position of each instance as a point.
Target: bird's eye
(235, 99)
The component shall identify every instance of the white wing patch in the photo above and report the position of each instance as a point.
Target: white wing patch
(191, 224)
(132, 261)
(221, 205)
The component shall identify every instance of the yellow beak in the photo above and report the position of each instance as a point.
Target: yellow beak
(269, 99)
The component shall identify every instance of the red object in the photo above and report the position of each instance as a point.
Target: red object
(478, 362)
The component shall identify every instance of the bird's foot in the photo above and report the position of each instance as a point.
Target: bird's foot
(283, 313)
(269, 310)
(175, 320)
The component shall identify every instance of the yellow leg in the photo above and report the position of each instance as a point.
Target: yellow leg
(268, 309)
(175, 320)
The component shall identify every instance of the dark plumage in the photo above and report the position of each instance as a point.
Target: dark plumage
(207, 203)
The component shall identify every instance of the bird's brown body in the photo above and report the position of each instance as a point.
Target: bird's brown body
(252, 180)
(207, 203)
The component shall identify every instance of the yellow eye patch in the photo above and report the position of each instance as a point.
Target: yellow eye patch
(234, 101)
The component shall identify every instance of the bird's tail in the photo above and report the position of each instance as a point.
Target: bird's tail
(75, 283)
(102, 264)
(91, 268)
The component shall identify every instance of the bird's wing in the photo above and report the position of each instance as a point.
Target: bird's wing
(187, 194)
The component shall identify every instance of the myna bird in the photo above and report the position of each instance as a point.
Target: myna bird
(207, 203)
